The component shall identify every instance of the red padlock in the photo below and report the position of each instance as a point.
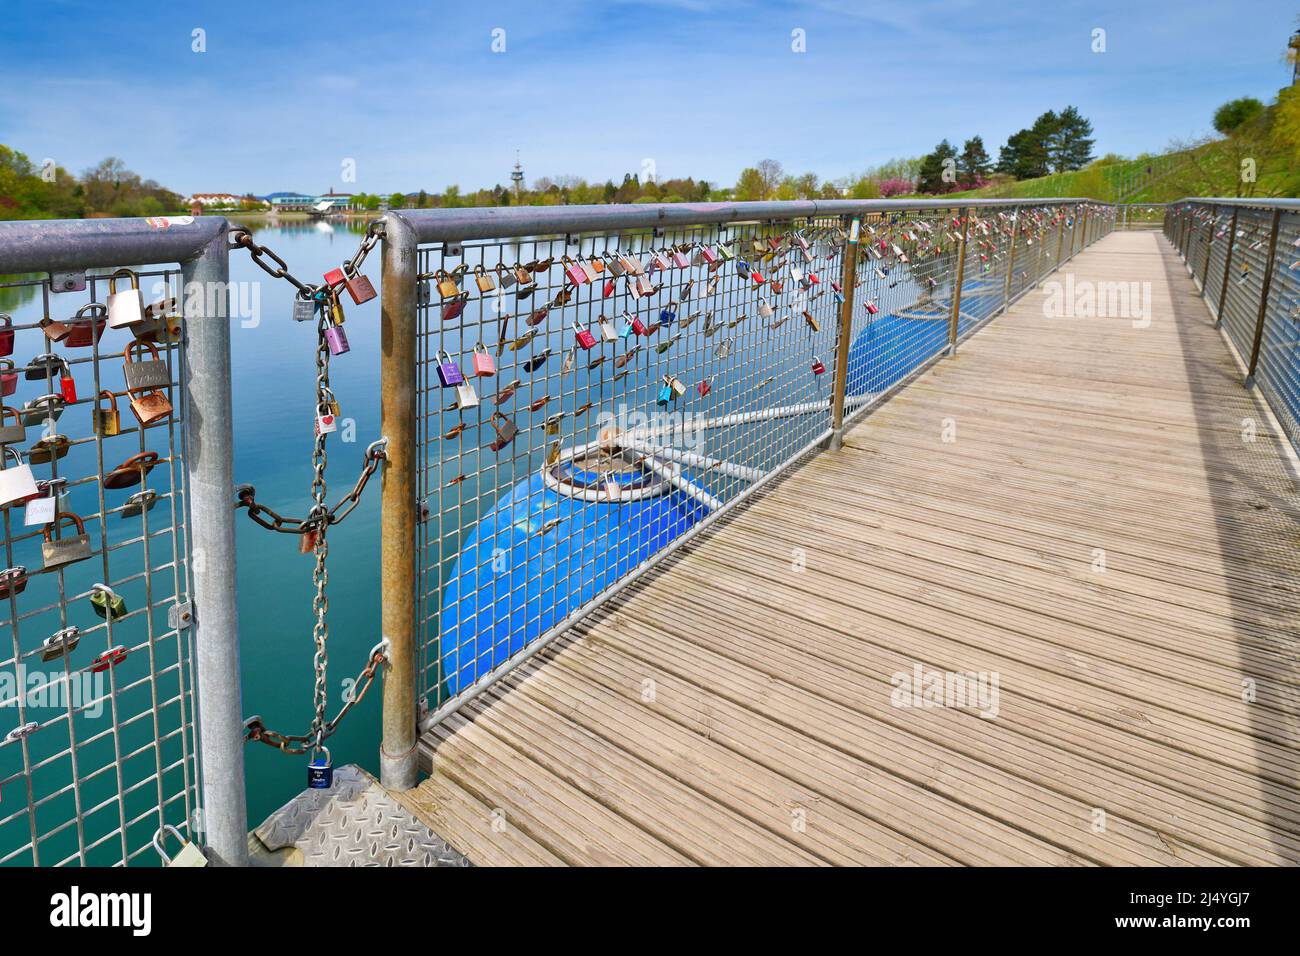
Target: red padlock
(704, 387)
(483, 364)
(871, 308)
(8, 377)
(6, 334)
(68, 386)
(609, 288)
(638, 326)
(818, 366)
(577, 275)
(453, 309)
(584, 337)
(110, 658)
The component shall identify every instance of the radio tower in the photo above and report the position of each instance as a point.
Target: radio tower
(517, 176)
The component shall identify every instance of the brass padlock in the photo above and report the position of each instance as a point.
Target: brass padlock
(483, 280)
(447, 287)
(189, 855)
(49, 448)
(106, 422)
(57, 552)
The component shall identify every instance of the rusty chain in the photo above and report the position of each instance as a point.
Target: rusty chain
(272, 520)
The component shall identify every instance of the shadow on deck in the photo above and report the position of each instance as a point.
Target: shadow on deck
(1097, 537)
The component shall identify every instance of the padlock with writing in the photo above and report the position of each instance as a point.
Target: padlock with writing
(484, 366)
(106, 602)
(638, 326)
(818, 367)
(584, 337)
(447, 287)
(304, 307)
(17, 482)
(44, 508)
(337, 340)
(125, 307)
(574, 272)
(66, 549)
(320, 769)
(68, 387)
(358, 286)
(141, 373)
(449, 373)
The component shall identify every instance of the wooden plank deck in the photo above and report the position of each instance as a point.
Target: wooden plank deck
(728, 709)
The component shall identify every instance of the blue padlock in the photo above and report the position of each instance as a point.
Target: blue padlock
(668, 315)
(665, 393)
(449, 373)
(320, 771)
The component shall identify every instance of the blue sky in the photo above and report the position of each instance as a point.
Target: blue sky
(414, 94)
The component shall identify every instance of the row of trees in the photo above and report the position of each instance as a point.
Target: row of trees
(29, 191)
(1055, 143)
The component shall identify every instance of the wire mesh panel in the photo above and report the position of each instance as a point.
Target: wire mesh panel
(95, 665)
(586, 400)
(1278, 370)
(1246, 277)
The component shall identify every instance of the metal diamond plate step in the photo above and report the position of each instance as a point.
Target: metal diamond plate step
(353, 823)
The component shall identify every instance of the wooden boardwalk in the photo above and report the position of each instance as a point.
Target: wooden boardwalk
(1099, 536)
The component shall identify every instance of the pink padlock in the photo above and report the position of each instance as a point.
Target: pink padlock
(483, 364)
(337, 340)
(577, 275)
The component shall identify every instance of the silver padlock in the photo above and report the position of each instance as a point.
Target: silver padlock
(60, 643)
(47, 408)
(14, 434)
(143, 375)
(18, 482)
(125, 307)
(466, 397)
(304, 310)
(139, 503)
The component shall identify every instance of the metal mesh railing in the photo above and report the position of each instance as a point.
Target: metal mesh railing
(95, 672)
(1251, 278)
(588, 397)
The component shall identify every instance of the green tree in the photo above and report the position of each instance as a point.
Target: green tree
(1235, 113)
(938, 170)
(1069, 141)
(974, 163)
(750, 186)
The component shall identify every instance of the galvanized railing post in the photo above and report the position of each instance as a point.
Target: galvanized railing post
(963, 215)
(1227, 265)
(1011, 261)
(848, 282)
(1209, 244)
(1263, 299)
(399, 516)
(210, 463)
(1060, 240)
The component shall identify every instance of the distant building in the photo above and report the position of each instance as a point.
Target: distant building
(216, 200)
(299, 202)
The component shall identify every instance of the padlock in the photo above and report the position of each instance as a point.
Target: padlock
(574, 272)
(483, 279)
(593, 269)
(57, 552)
(506, 431)
(18, 483)
(704, 387)
(150, 407)
(6, 334)
(742, 268)
(447, 287)
(484, 366)
(139, 503)
(466, 397)
(61, 642)
(668, 314)
(106, 422)
(320, 769)
(337, 340)
(86, 327)
(327, 422)
(304, 307)
(126, 307)
(537, 360)
(161, 323)
(452, 308)
(584, 337)
(812, 321)
(189, 854)
(449, 373)
(110, 658)
(608, 331)
(44, 507)
(8, 377)
(871, 308)
(47, 366)
(12, 434)
(610, 486)
(665, 393)
(639, 327)
(48, 448)
(680, 259)
(68, 387)
(106, 602)
(358, 285)
(626, 329)
(141, 374)
(818, 366)
(13, 581)
(132, 471)
(723, 349)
